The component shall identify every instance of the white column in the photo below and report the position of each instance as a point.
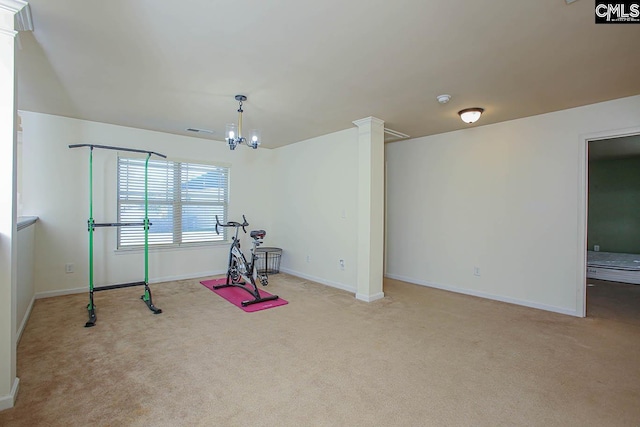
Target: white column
(8, 231)
(370, 208)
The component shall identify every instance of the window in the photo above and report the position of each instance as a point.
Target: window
(183, 201)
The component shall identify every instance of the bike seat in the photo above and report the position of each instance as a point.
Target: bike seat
(258, 234)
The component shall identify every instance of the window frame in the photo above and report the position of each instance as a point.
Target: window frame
(173, 199)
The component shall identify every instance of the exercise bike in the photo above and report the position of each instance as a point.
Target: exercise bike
(240, 273)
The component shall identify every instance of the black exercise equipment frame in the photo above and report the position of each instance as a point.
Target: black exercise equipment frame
(234, 276)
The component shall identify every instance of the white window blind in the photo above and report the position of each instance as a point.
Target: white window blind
(183, 201)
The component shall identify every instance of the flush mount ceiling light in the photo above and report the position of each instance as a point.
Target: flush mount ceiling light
(234, 132)
(470, 115)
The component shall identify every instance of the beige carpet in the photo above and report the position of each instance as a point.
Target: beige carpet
(419, 357)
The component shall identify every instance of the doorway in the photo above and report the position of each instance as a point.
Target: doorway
(612, 227)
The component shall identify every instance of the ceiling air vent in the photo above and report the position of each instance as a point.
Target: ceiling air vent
(196, 130)
(393, 135)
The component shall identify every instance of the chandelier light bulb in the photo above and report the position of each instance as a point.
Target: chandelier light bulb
(255, 139)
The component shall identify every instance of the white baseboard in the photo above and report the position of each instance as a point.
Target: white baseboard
(188, 276)
(49, 294)
(474, 293)
(7, 402)
(24, 321)
(370, 298)
(320, 280)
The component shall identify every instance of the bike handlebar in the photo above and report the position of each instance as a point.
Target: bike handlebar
(232, 224)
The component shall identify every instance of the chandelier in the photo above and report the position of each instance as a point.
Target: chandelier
(234, 132)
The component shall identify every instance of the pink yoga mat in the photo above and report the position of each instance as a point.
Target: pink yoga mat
(236, 295)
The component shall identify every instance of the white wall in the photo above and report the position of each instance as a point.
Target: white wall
(314, 195)
(55, 188)
(506, 198)
(8, 234)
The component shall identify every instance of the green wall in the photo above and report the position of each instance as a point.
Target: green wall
(614, 205)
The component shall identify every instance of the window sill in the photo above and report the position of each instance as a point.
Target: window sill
(176, 248)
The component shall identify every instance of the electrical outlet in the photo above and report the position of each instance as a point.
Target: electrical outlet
(341, 262)
(308, 258)
(596, 248)
(68, 268)
(476, 271)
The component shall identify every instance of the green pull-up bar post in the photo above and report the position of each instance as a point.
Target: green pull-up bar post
(146, 297)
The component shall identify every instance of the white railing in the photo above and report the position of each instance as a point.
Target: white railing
(26, 263)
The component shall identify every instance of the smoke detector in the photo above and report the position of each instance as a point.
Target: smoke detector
(443, 99)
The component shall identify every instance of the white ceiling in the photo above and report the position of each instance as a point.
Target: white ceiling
(311, 68)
